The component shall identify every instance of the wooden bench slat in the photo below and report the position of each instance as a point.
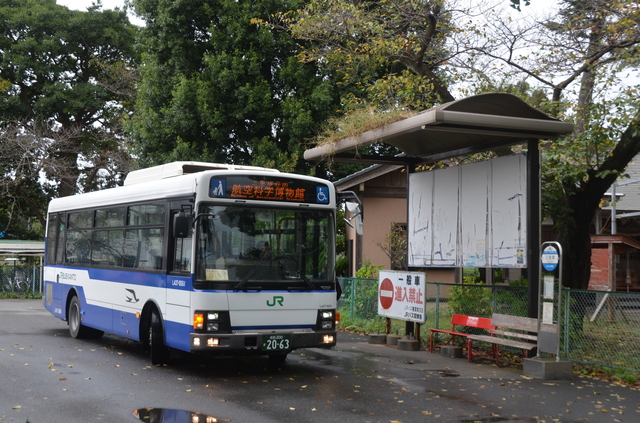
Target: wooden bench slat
(502, 341)
(515, 334)
(527, 324)
(504, 334)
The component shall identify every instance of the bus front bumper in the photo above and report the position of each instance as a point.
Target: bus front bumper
(261, 343)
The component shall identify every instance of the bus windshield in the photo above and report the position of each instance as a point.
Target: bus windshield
(240, 247)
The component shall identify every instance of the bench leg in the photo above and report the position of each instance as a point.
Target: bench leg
(469, 350)
(496, 353)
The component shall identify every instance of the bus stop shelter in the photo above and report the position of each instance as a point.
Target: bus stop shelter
(485, 122)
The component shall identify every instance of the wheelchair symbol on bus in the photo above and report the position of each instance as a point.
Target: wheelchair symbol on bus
(322, 195)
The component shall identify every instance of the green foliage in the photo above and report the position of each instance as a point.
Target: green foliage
(388, 53)
(218, 87)
(357, 323)
(514, 299)
(28, 295)
(358, 120)
(366, 289)
(60, 112)
(368, 270)
(342, 264)
(471, 298)
(360, 298)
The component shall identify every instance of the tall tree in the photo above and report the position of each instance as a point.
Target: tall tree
(587, 45)
(217, 86)
(579, 56)
(394, 49)
(60, 130)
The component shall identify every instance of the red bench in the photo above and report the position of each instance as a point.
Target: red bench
(510, 331)
(461, 320)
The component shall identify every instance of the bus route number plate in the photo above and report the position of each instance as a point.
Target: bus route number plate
(279, 342)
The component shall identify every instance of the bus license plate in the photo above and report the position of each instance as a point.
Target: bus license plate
(276, 342)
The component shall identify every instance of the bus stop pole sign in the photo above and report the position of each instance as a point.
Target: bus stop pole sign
(549, 258)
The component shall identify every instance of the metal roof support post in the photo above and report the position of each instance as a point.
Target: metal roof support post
(409, 326)
(533, 225)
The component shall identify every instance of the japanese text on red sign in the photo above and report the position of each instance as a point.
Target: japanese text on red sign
(409, 293)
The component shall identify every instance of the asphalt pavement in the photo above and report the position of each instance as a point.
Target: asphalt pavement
(355, 382)
(504, 393)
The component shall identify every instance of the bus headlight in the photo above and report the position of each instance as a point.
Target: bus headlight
(326, 320)
(211, 321)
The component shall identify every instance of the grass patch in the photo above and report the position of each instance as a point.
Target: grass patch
(31, 296)
(358, 121)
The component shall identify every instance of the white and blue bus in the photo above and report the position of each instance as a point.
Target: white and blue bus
(197, 257)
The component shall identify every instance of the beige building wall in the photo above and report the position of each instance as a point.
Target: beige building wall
(380, 214)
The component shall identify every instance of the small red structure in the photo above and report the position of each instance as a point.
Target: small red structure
(614, 255)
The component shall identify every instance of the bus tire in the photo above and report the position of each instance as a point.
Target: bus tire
(158, 351)
(76, 328)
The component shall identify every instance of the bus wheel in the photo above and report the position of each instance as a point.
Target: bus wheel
(76, 329)
(159, 352)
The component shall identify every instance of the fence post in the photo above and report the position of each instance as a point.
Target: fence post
(494, 296)
(437, 323)
(353, 296)
(567, 320)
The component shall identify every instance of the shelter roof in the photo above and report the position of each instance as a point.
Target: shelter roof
(365, 175)
(17, 247)
(473, 124)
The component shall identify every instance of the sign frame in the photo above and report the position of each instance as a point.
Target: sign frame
(402, 295)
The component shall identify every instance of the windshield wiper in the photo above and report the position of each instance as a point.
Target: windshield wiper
(297, 269)
(252, 271)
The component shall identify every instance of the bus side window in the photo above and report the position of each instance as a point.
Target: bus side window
(143, 248)
(52, 239)
(182, 262)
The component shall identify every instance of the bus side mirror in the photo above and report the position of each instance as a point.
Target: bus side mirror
(181, 225)
(357, 215)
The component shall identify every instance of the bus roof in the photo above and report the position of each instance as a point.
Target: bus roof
(170, 170)
(162, 186)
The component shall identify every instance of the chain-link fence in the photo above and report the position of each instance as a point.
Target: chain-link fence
(20, 280)
(597, 328)
(602, 328)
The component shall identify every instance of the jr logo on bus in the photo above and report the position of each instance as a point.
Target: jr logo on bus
(276, 300)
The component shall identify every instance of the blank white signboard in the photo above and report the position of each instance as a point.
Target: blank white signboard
(473, 215)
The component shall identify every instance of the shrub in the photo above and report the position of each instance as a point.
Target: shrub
(471, 299)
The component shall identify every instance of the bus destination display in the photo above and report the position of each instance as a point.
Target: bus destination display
(269, 189)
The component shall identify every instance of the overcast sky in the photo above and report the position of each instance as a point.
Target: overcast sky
(106, 4)
(83, 4)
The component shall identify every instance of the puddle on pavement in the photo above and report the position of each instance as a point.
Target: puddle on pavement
(448, 373)
(498, 419)
(171, 415)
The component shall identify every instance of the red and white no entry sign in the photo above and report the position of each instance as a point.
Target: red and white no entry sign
(386, 293)
(401, 295)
